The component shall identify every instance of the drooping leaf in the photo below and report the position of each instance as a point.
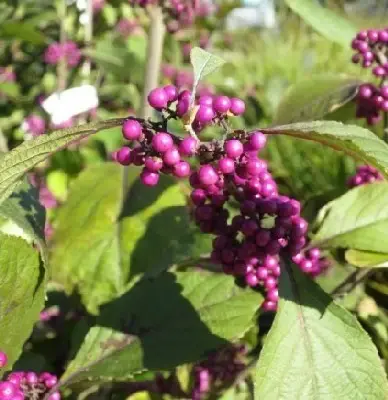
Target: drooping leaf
(312, 99)
(366, 259)
(357, 220)
(203, 64)
(110, 246)
(22, 292)
(24, 157)
(316, 349)
(357, 142)
(162, 323)
(24, 216)
(329, 24)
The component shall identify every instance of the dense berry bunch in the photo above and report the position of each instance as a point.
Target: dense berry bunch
(22, 385)
(177, 13)
(371, 52)
(68, 51)
(364, 174)
(34, 125)
(127, 27)
(312, 262)
(219, 369)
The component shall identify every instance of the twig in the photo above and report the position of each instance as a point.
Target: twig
(62, 67)
(350, 283)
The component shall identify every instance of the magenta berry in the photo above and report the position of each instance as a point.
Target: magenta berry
(207, 175)
(233, 148)
(123, 156)
(162, 142)
(205, 114)
(153, 164)
(182, 169)
(132, 130)
(7, 390)
(226, 165)
(158, 98)
(149, 178)
(171, 157)
(188, 146)
(237, 106)
(171, 92)
(221, 104)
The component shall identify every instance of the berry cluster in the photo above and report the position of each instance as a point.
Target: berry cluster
(34, 125)
(364, 174)
(68, 51)
(158, 150)
(22, 385)
(177, 13)
(371, 51)
(219, 369)
(312, 262)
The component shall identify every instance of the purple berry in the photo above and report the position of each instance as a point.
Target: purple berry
(251, 279)
(153, 164)
(257, 140)
(263, 237)
(188, 146)
(182, 169)
(226, 165)
(205, 114)
(273, 295)
(206, 100)
(262, 273)
(171, 92)
(233, 148)
(7, 390)
(221, 104)
(158, 98)
(237, 106)
(31, 378)
(207, 175)
(365, 91)
(149, 178)
(54, 396)
(162, 142)
(132, 129)
(171, 157)
(269, 305)
(124, 156)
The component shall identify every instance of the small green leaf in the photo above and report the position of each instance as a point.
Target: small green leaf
(23, 31)
(24, 157)
(366, 259)
(22, 292)
(10, 89)
(316, 349)
(181, 317)
(312, 99)
(330, 25)
(357, 142)
(203, 64)
(357, 220)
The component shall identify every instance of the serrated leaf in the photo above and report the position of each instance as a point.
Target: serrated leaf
(203, 64)
(357, 220)
(112, 244)
(316, 349)
(22, 292)
(357, 142)
(24, 157)
(330, 25)
(366, 259)
(312, 99)
(182, 316)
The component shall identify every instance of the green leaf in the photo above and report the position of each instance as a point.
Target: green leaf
(22, 292)
(162, 323)
(23, 31)
(326, 22)
(312, 99)
(113, 245)
(356, 220)
(10, 89)
(203, 64)
(24, 157)
(316, 349)
(357, 142)
(24, 216)
(366, 259)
